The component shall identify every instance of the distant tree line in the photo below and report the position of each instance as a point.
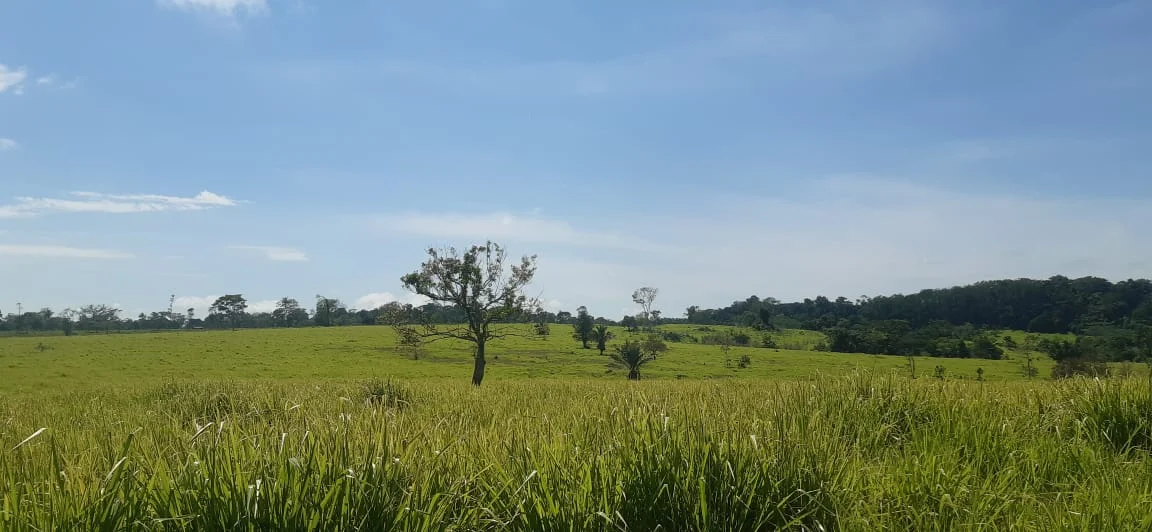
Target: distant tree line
(231, 311)
(1112, 320)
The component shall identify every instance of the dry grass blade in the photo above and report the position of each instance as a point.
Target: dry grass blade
(28, 439)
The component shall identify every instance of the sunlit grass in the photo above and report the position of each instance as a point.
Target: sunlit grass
(310, 355)
(335, 429)
(852, 453)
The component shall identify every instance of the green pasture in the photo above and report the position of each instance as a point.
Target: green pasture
(856, 452)
(336, 429)
(60, 363)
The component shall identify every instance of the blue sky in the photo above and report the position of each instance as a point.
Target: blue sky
(714, 150)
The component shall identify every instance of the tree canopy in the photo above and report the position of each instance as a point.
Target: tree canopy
(478, 284)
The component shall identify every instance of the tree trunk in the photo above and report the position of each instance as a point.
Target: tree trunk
(585, 340)
(601, 351)
(634, 375)
(478, 369)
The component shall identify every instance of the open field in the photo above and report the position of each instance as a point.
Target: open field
(297, 429)
(66, 363)
(847, 453)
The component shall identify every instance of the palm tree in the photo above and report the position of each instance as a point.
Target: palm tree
(630, 355)
(601, 335)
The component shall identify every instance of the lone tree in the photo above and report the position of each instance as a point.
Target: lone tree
(644, 297)
(541, 328)
(601, 335)
(326, 309)
(631, 355)
(582, 328)
(285, 312)
(653, 346)
(475, 282)
(231, 306)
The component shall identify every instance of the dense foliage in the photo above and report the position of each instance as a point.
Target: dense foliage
(1116, 318)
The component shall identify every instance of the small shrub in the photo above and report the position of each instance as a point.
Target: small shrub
(672, 336)
(386, 393)
(741, 338)
(745, 361)
(1072, 367)
(197, 401)
(821, 346)
(984, 347)
(979, 374)
(409, 341)
(653, 346)
(768, 342)
(939, 372)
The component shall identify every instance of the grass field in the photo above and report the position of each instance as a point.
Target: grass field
(297, 429)
(54, 363)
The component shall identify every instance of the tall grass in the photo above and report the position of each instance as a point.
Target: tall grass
(852, 453)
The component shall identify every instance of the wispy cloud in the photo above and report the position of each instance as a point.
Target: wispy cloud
(771, 46)
(92, 202)
(228, 8)
(504, 226)
(7, 144)
(53, 81)
(276, 253)
(12, 79)
(856, 235)
(60, 252)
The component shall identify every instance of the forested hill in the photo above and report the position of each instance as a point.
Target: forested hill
(1055, 305)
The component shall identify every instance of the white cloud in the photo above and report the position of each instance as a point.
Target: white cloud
(379, 299)
(202, 304)
(851, 236)
(228, 8)
(277, 253)
(114, 203)
(12, 79)
(53, 81)
(61, 252)
(7, 144)
(267, 305)
(374, 300)
(503, 226)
